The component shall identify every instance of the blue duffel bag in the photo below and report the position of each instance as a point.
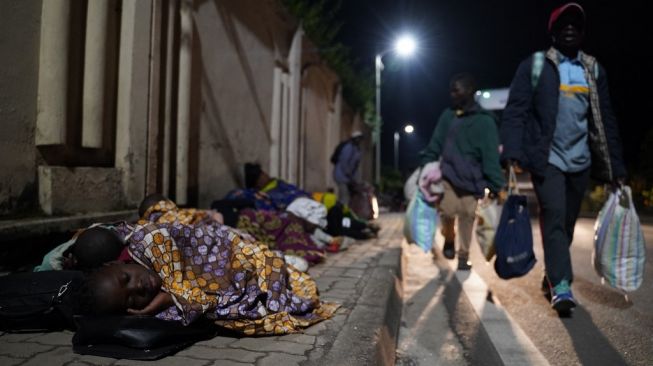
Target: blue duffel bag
(514, 237)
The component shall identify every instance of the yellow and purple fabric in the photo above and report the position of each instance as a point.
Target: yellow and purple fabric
(211, 271)
(281, 231)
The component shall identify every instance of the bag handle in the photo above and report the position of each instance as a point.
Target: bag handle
(513, 188)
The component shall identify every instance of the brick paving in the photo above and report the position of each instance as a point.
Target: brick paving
(360, 278)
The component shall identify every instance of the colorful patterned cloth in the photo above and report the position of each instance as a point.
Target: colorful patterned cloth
(210, 270)
(282, 231)
(283, 193)
(259, 200)
(167, 212)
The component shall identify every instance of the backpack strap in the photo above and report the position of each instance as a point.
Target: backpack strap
(596, 70)
(536, 68)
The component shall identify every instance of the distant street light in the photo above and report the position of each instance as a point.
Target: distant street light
(408, 129)
(405, 46)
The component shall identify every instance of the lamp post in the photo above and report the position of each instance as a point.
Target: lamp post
(405, 46)
(397, 136)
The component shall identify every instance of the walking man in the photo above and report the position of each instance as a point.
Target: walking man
(559, 125)
(466, 141)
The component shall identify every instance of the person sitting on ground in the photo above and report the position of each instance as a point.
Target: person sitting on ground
(280, 192)
(185, 272)
(87, 249)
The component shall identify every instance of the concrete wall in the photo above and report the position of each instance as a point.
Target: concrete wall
(19, 69)
(227, 82)
(318, 85)
(237, 62)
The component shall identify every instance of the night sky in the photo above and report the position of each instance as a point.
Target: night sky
(489, 39)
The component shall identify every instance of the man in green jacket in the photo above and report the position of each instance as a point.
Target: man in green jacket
(466, 141)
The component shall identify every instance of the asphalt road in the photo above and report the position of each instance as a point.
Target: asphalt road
(606, 329)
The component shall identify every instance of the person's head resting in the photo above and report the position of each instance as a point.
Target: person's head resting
(114, 288)
(567, 28)
(461, 89)
(93, 248)
(150, 201)
(255, 177)
(357, 137)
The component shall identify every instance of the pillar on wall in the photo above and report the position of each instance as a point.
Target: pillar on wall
(333, 133)
(98, 25)
(52, 102)
(275, 123)
(169, 96)
(285, 117)
(132, 106)
(184, 100)
(295, 70)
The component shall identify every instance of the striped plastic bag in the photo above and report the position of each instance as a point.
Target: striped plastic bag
(619, 250)
(420, 222)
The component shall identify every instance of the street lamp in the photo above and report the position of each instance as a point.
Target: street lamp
(408, 129)
(405, 46)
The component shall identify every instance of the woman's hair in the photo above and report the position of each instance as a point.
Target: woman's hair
(150, 201)
(96, 246)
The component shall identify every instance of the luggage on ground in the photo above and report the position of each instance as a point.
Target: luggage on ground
(362, 200)
(38, 301)
(136, 337)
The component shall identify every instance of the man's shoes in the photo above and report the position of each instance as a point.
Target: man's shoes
(449, 250)
(464, 264)
(562, 300)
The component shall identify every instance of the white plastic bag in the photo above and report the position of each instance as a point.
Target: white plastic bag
(619, 253)
(410, 187)
(488, 214)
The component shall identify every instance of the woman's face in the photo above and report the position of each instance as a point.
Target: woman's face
(126, 286)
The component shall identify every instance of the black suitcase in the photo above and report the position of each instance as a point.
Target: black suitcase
(137, 337)
(38, 301)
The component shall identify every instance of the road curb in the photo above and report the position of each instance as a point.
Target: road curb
(372, 328)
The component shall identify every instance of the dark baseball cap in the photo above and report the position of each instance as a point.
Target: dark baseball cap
(567, 8)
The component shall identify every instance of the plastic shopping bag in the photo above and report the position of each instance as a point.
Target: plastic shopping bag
(514, 236)
(430, 182)
(420, 222)
(410, 187)
(488, 214)
(619, 249)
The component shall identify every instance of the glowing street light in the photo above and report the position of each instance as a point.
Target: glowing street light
(405, 46)
(408, 129)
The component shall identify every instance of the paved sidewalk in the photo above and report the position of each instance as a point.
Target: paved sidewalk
(365, 279)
